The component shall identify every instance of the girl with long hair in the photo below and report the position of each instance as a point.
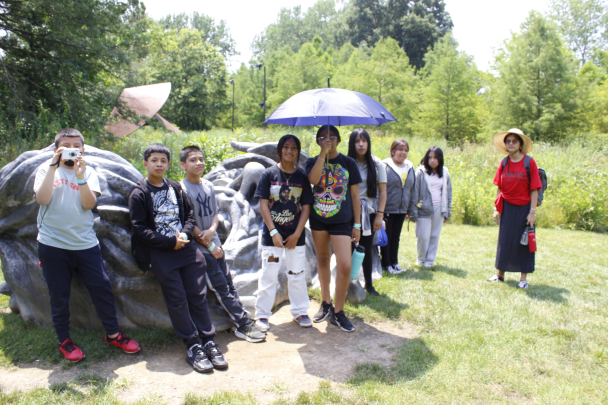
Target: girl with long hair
(372, 193)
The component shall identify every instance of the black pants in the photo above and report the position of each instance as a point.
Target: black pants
(58, 267)
(390, 252)
(368, 243)
(219, 281)
(182, 277)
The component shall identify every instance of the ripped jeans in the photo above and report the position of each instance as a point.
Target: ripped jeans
(272, 258)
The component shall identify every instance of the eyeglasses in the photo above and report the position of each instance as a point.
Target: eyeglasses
(331, 138)
(514, 141)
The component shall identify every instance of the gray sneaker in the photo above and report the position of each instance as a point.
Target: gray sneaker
(304, 321)
(523, 285)
(393, 270)
(263, 324)
(249, 332)
(398, 268)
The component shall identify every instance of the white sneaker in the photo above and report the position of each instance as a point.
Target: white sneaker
(398, 268)
(262, 324)
(522, 284)
(392, 270)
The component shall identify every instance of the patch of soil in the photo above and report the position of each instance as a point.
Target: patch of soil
(291, 360)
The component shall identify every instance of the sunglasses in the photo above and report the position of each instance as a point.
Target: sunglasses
(514, 141)
(331, 138)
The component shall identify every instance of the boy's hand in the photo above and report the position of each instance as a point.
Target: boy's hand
(80, 168)
(205, 237)
(356, 235)
(377, 223)
(291, 241)
(277, 240)
(179, 243)
(57, 156)
(217, 253)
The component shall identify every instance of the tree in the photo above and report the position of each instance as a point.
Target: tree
(451, 102)
(197, 72)
(416, 25)
(216, 34)
(61, 60)
(582, 23)
(294, 28)
(536, 89)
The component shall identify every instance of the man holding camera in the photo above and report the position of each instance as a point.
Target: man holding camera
(67, 191)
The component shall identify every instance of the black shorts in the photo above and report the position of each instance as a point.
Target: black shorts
(341, 228)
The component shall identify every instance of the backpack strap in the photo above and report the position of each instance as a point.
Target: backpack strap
(527, 160)
(504, 163)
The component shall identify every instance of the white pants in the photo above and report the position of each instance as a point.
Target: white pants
(296, 281)
(427, 232)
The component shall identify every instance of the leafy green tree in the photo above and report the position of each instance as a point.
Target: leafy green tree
(215, 34)
(60, 61)
(451, 100)
(537, 88)
(197, 72)
(294, 28)
(582, 23)
(416, 25)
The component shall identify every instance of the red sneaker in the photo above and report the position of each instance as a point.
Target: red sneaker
(70, 351)
(122, 342)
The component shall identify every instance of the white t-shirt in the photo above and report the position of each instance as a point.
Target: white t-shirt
(402, 172)
(436, 186)
(63, 223)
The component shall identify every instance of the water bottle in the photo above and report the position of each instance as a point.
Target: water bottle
(357, 261)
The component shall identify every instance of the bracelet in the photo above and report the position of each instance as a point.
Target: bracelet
(81, 182)
(495, 209)
(210, 248)
(273, 232)
(380, 212)
(357, 226)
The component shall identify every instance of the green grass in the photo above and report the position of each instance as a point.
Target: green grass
(478, 342)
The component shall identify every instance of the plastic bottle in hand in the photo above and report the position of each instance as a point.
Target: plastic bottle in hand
(357, 261)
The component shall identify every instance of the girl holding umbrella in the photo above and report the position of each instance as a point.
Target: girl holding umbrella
(515, 206)
(335, 220)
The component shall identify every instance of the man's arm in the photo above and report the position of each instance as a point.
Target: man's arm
(44, 193)
(87, 196)
(207, 234)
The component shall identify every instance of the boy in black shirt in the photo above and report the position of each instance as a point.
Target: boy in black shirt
(163, 226)
(285, 197)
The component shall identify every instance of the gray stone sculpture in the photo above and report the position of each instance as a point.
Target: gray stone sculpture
(138, 296)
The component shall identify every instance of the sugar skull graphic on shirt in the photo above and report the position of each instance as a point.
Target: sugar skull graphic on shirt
(330, 192)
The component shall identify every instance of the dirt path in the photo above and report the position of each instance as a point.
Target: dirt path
(291, 360)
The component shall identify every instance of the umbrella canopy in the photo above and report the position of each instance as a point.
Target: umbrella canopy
(330, 106)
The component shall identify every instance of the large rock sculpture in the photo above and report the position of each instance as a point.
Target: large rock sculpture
(138, 295)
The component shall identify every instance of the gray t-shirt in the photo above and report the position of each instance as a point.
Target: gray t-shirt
(63, 223)
(204, 205)
(372, 201)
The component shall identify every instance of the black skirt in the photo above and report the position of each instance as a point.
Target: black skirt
(511, 255)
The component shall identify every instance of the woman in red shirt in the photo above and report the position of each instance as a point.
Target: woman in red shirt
(515, 206)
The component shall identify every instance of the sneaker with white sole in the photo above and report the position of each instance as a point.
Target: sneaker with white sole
(304, 321)
(249, 332)
(398, 268)
(341, 321)
(392, 270)
(197, 358)
(522, 284)
(323, 312)
(496, 279)
(263, 324)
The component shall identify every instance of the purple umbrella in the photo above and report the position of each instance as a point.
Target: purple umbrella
(330, 106)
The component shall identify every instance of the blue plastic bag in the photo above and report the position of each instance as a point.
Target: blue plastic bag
(382, 237)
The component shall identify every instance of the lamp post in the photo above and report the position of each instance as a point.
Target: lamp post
(231, 81)
(263, 103)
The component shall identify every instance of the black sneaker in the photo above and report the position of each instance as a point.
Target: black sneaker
(197, 358)
(325, 310)
(250, 332)
(340, 320)
(371, 290)
(215, 356)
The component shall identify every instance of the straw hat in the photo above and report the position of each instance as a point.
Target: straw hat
(499, 141)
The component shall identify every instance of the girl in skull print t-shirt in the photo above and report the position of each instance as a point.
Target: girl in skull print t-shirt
(332, 201)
